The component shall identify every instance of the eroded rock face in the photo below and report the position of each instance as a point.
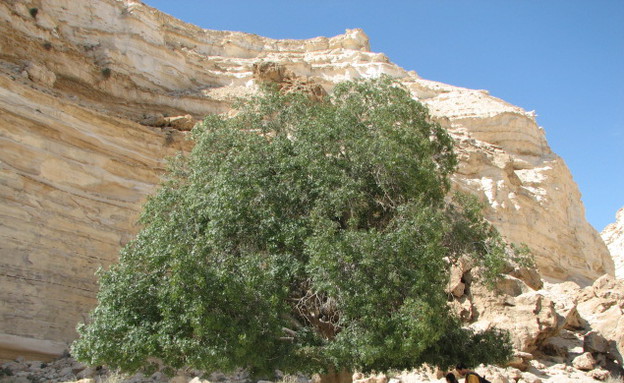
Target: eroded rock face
(95, 94)
(602, 306)
(531, 317)
(560, 323)
(613, 235)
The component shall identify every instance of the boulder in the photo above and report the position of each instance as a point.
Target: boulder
(601, 305)
(594, 342)
(459, 277)
(530, 318)
(585, 362)
(512, 286)
(530, 276)
(564, 295)
(521, 360)
(599, 374)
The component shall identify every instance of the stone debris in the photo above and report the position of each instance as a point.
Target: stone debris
(583, 369)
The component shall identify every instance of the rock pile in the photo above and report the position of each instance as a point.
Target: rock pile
(557, 326)
(61, 370)
(67, 370)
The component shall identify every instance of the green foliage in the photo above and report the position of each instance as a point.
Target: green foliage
(106, 72)
(302, 236)
(5, 371)
(522, 255)
(460, 344)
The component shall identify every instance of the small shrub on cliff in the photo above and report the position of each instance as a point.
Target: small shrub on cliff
(107, 72)
(301, 236)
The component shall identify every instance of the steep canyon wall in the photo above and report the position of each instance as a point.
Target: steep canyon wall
(88, 90)
(613, 236)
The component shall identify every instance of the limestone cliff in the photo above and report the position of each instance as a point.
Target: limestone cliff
(89, 94)
(613, 236)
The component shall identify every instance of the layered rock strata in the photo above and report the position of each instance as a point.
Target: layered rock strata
(90, 94)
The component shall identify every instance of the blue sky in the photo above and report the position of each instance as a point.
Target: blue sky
(562, 58)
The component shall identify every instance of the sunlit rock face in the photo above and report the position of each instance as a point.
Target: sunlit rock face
(94, 95)
(613, 236)
(529, 191)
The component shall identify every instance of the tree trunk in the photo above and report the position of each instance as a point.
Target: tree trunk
(332, 376)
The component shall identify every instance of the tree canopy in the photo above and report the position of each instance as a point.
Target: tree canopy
(300, 235)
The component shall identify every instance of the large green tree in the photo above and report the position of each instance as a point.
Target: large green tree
(303, 236)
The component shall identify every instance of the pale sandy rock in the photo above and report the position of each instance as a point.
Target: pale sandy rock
(463, 308)
(602, 305)
(377, 378)
(422, 374)
(529, 378)
(599, 374)
(564, 344)
(181, 123)
(530, 318)
(529, 276)
(613, 236)
(76, 163)
(181, 379)
(589, 321)
(564, 295)
(512, 286)
(521, 360)
(494, 375)
(544, 372)
(521, 190)
(513, 374)
(457, 285)
(584, 362)
(458, 289)
(68, 206)
(185, 123)
(40, 74)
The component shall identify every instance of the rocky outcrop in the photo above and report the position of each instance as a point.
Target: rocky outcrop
(550, 322)
(613, 236)
(576, 328)
(94, 95)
